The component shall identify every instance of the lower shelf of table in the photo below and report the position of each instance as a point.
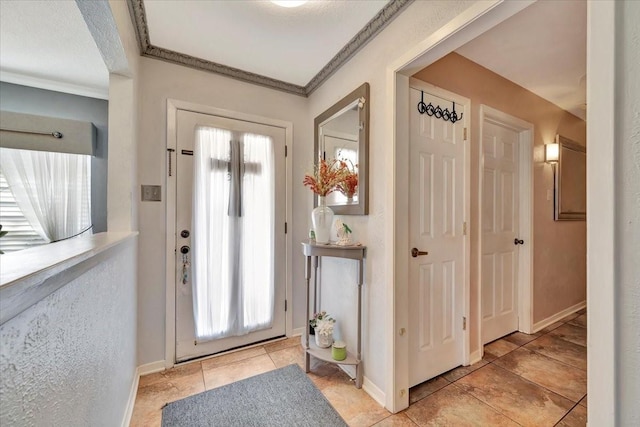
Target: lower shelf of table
(325, 354)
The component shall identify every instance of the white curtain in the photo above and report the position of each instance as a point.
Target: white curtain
(53, 190)
(233, 234)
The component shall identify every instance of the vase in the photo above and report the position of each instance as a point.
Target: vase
(322, 219)
(324, 341)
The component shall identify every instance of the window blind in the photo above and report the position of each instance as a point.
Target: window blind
(20, 233)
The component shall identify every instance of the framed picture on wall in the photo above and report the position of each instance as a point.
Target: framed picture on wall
(570, 181)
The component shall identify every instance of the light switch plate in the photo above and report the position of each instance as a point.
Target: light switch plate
(151, 193)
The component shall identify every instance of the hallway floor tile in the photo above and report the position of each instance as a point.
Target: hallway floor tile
(523, 380)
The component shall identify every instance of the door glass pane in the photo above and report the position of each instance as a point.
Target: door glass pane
(233, 214)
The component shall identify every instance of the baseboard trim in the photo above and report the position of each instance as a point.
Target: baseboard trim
(151, 368)
(476, 356)
(372, 390)
(561, 314)
(126, 420)
(297, 331)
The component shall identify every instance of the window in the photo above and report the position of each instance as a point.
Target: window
(46, 193)
(20, 234)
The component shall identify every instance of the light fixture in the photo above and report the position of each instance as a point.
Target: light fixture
(289, 3)
(551, 152)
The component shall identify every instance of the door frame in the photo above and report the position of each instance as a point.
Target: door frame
(475, 20)
(173, 106)
(525, 215)
(466, 286)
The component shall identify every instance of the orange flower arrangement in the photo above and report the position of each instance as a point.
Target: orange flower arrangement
(349, 184)
(327, 176)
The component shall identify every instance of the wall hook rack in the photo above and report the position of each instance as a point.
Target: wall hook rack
(438, 112)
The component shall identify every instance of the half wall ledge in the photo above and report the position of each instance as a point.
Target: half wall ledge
(30, 275)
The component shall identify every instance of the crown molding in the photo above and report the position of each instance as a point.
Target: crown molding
(373, 27)
(54, 85)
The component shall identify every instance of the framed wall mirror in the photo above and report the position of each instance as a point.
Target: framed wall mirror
(342, 132)
(570, 181)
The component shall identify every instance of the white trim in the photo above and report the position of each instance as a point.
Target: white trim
(170, 262)
(131, 402)
(152, 368)
(56, 86)
(558, 316)
(476, 356)
(296, 332)
(525, 211)
(172, 108)
(474, 21)
(372, 390)
(603, 370)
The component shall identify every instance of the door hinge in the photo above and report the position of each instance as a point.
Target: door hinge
(170, 168)
(464, 323)
(285, 305)
(465, 134)
(285, 228)
(464, 228)
(286, 151)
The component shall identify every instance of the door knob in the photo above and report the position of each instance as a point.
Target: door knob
(517, 241)
(416, 253)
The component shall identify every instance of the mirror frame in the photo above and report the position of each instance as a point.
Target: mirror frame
(561, 213)
(362, 207)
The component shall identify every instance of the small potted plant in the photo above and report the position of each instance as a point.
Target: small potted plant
(322, 324)
(326, 176)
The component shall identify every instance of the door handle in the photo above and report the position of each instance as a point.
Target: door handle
(517, 241)
(416, 253)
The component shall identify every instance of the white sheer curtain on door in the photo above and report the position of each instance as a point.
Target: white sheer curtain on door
(232, 234)
(53, 190)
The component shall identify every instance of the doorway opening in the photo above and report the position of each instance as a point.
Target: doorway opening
(460, 31)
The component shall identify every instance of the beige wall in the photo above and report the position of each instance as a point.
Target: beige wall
(559, 254)
(160, 81)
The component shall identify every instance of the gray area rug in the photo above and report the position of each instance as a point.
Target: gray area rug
(284, 397)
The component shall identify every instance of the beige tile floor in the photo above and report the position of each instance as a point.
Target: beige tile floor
(523, 380)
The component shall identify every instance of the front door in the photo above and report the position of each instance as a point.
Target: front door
(500, 219)
(230, 271)
(436, 226)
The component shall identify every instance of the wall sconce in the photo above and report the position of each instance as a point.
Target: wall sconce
(551, 153)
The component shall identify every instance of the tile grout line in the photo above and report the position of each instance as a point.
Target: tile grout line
(204, 383)
(541, 386)
(497, 410)
(568, 412)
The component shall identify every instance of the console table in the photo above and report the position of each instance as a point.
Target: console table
(314, 250)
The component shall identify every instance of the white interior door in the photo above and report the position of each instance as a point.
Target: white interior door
(230, 214)
(436, 226)
(500, 219)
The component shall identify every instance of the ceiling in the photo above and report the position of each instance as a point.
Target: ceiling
(47, 44)
(291, 44)
(291, 49)
(543, 49)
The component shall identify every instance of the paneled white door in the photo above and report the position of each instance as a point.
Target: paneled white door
(241, 262)
(500, 240)
(436, 225)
